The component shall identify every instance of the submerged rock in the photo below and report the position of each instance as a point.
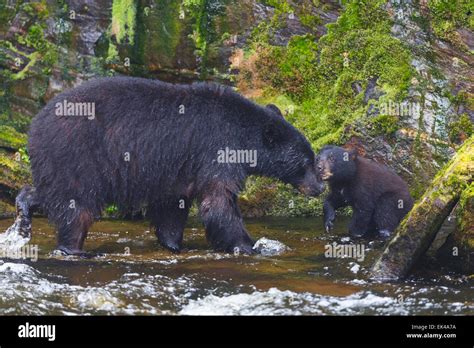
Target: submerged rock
(269, 247)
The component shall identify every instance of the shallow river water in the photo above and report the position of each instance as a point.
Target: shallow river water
(136, 276)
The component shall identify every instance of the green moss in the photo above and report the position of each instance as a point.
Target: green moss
(281, 5)
(13, 174)
(265, 196)
(384, 124)
(11, 139)
(39, 9)
(18, 121)
(466, 214)
(205, 36)
(449, 15)
(40, 51)
(460, 129)
(459, 169)
(112, 54)
(321, 78)
(310, 20)
(124, 20)
(166, 33)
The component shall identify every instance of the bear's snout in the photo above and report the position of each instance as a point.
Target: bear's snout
(312, 185)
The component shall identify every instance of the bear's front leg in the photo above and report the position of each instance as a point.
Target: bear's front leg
(170, 219)
(332, 202)
(224, 226)
(360, 222)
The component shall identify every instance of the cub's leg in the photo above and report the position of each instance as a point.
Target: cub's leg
(334, 201)
(388, 214)
(361, 221)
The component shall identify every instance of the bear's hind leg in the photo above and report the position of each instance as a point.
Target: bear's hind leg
(73, 231)
(387, 215)
(360, 223)
(170, 220)
(224, 226)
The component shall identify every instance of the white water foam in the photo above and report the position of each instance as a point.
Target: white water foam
(11, 239)
(27, 291)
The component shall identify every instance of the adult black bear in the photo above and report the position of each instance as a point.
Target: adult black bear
(379, 198)
(134, 142)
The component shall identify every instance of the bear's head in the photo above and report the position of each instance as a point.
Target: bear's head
(336, 164)
(286, 155)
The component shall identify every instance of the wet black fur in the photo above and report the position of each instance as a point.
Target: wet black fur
(78, 164)
(372, 190)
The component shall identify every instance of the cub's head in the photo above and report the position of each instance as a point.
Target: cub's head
(287, 155)
(336, 164)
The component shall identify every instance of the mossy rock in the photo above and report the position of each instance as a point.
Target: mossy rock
(451, 187)
(458, 251)
(6, 209)
(11, 139)
(14, 172)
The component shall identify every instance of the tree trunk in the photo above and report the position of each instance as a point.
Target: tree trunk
(419, 228)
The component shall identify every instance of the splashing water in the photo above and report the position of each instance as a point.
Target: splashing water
(137, 277)
(12, 239)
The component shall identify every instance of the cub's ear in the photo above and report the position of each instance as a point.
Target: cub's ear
(349, 155)
(353, 154)
(273, 108)
(272, 134)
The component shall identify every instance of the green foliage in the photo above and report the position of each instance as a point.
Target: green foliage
(460, 129)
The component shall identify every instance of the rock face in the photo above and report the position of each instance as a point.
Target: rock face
(269, 49)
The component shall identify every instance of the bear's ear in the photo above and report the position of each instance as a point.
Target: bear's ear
(353, 154)
(272, 134)
(273, 108)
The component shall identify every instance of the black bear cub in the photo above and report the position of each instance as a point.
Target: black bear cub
(135, 142)
(379, 198)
